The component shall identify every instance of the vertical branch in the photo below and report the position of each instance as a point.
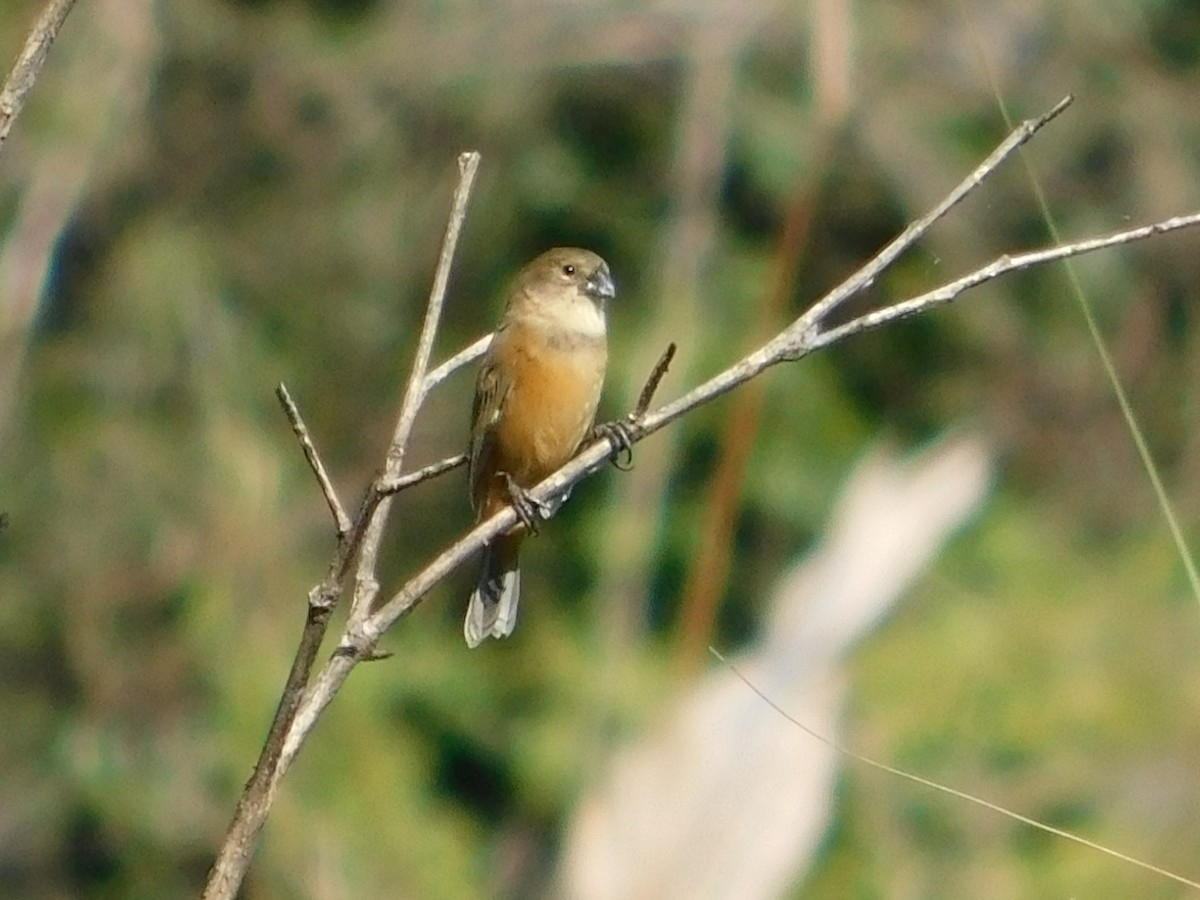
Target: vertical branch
(233, 859)
(468, 165)
(29, 63)
(365, 584)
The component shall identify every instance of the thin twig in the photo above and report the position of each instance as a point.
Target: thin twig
(366, 587)
(1000, 266)
(865, 277)
(29, 63)
(233, 858)
(432, 470)
(314, 460)
(468, 165)
(456, 362)
(651, 386)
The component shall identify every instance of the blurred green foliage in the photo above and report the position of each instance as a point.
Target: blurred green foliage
(265, 203)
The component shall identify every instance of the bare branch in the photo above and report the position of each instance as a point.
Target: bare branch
(233, 858)
(314, 459)
(1000, 266)
(456, 362)
(430, 471)
(651, 386)
(468, 165)
(365, 626)
(29, 63)
(866, 276)
(359, 644)
(366, 588)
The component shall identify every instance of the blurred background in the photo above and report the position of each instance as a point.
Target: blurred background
(204, 198)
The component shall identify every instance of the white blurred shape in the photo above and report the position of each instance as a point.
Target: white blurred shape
(727, 798)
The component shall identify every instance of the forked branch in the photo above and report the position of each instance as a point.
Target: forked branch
(811, 331)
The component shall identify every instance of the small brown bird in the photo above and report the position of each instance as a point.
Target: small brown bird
(535, 402)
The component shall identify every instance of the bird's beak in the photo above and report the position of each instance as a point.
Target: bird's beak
(600, 286)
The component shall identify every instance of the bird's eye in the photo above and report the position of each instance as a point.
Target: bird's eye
(568, 269)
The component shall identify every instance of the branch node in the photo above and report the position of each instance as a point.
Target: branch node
(323, 597)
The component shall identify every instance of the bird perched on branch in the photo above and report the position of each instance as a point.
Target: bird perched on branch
(535, 402)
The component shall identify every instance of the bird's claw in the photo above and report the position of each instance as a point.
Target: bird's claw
(620, 434)
(528, 509)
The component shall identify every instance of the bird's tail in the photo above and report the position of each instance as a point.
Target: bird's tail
(492, 611)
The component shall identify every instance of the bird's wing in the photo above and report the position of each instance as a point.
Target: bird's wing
(492, 387)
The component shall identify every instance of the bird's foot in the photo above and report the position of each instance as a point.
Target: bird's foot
(620, 434)
(528, 509)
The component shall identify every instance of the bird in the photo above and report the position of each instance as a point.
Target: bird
(535, 402)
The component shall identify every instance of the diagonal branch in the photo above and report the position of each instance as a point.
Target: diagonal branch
(29, 63)
(865, 277)
(1002, 265)
(651, 385)
(408, 479)
(457, 361)
(314, 460)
